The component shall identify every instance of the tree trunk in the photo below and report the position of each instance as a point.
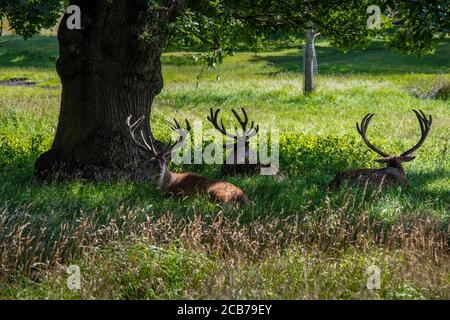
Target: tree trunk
(309, 58)
(108, 71)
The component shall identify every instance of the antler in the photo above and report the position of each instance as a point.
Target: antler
(180, 141)
(362, 131)
(243, 122)
(245, 133)
(425, 125)
(213, 119)
(132, 127)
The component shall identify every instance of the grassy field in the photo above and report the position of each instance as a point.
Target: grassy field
(300, 240)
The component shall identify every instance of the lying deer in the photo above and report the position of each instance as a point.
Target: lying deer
(182, 184)
(238, 161)
(393, 172)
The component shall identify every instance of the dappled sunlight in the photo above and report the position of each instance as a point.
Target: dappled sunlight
(291, 224)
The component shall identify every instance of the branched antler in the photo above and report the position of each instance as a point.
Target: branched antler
(180, 140)
(425, 125)
(221, 128)
(144, 144)
(247, 134)
(363, 131)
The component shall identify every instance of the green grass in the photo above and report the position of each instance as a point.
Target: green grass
(74, 222)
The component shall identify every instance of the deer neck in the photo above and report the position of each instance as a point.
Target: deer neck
(395, 165)
(240, 152)
(165, 179)
(397, 169)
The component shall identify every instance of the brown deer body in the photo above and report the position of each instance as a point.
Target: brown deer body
(183, 184)
(386, 176)
(393, 173)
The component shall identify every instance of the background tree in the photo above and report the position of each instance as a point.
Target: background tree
(408, 27)
(111, 68)
(29, 17)
(309, 57)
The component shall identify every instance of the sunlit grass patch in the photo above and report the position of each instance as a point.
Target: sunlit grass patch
(300, 239)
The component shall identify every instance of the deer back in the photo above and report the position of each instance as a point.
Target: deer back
(186, 183)
(385, 176)
(393, 172)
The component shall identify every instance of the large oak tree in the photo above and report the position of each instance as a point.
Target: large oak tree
(111, 68)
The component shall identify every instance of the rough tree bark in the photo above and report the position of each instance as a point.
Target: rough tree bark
(109, 70)
(309, 57)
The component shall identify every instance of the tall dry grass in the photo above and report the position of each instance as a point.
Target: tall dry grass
(30, 245)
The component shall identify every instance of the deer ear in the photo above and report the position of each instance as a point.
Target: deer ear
(382, 160)
(408, 158)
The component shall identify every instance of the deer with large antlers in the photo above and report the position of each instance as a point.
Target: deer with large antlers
(239, 159)
(181, 184)
(393, 172)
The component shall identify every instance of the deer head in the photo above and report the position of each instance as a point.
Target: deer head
(241, 136)
(159, 154)
(396, 160)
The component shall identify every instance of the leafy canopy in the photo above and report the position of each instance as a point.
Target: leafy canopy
(219, 25)
(28, 17)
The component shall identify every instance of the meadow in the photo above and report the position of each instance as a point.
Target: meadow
(301, 240)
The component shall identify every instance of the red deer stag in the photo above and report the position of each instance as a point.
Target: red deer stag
(182, 184)
(238, 161)
(393, 172)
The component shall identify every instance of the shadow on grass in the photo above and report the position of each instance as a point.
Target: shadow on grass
(375, 60)
(41, 52)
(304, 187)
(420, 185)
(36, 52)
